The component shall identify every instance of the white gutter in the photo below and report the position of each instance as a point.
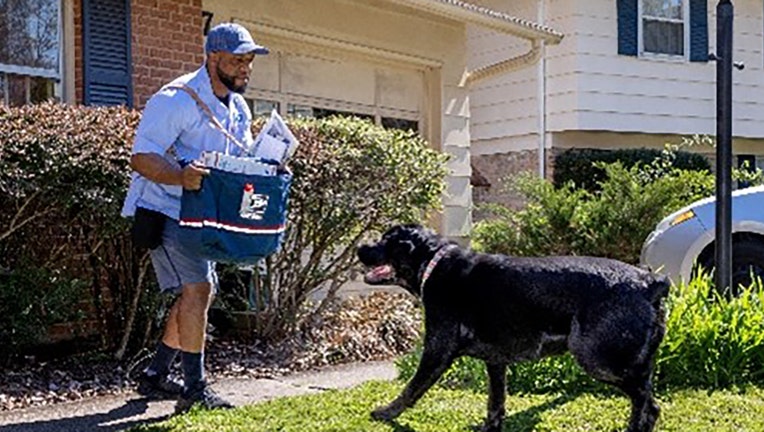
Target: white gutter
(542, 96)
(508, 65)
(537, 33)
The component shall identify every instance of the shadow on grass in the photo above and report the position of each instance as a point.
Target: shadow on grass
(397, 427)
(526, 421)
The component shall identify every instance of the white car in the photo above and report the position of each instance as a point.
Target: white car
(685, 239)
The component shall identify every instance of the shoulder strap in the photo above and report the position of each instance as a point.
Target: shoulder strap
(206, 109)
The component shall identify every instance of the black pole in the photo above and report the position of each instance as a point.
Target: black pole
(724, 16)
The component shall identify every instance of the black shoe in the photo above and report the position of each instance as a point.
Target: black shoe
(155, 385)
(203, 396)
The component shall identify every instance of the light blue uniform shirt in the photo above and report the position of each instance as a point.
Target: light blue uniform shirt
(174, 126)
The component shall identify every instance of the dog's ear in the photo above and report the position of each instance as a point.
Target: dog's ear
(403, 247)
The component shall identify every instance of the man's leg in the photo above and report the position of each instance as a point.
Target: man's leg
(191, 325)
(155, 379)
(194, 303)
(181, 271)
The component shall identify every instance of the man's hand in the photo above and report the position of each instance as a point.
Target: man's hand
(159, 170)
(192, 176)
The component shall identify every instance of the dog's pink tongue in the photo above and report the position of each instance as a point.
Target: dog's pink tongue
(379, 273)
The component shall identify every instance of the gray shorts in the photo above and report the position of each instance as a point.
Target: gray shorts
(176, 265)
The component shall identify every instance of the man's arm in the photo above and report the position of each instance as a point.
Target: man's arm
(157, 169)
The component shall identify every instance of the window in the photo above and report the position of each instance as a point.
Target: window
(30, 53)
(663, 27)
(319, 113)
(262, 107)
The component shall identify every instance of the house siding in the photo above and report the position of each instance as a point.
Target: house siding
(591, 87)
(597, 98)
(630, 94)
(506, 106)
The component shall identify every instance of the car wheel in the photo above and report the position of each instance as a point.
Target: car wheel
(747, 261)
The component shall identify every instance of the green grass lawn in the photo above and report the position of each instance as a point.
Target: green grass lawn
(449, 410)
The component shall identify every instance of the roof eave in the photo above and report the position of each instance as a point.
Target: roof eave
(478, 15)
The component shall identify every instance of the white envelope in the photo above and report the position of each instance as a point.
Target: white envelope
(275, 141)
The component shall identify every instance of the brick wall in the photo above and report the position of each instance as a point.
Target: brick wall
(496, 167)
(167, 42)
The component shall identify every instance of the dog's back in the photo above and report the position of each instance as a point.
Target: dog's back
(564, 278)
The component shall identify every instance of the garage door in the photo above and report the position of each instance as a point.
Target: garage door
(317, 86)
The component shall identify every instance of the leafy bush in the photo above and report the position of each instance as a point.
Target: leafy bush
(31, 300)
(351, 178)
(583, 167)
(66, 171)
(711, 341)
(611, 222)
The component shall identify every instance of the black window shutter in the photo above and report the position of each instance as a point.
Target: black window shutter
(698, 30)
(627, 27)
(106, 52)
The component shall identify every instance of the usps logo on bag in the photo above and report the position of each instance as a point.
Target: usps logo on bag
(252, 205)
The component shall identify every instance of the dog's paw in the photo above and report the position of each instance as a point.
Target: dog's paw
(385, 414)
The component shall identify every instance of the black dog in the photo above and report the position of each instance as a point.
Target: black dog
(501, 309)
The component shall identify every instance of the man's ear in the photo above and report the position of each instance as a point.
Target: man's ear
(213, 58)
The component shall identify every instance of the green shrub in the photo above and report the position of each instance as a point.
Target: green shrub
(544, 226)
(583, 167)
(66, 171)
(613, 221)
(711, 342)
(64, 177)
(351, 178)
(31, 300)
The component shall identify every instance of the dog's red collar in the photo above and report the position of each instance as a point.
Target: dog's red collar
(433, 262)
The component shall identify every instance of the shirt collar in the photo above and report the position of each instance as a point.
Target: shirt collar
(203, 86)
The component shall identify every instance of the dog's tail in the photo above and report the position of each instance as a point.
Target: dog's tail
(657, 287)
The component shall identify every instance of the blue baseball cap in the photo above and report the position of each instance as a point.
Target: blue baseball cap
(232, 38)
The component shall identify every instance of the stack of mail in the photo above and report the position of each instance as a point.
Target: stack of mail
(275, 143)
(273, 146)
(236, 164)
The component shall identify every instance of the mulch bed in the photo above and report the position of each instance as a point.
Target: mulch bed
(379, 326)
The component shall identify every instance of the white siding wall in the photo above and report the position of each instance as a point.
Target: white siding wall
(590, 87)
(505, 107)
(630, 94)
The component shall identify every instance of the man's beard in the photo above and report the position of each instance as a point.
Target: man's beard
(230, 82)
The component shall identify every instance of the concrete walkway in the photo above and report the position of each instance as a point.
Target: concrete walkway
(119, 412)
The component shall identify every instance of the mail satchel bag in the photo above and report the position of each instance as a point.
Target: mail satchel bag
(237, 216)
(234, 217)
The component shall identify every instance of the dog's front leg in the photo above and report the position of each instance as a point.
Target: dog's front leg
(497, 393)
(432, 365)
